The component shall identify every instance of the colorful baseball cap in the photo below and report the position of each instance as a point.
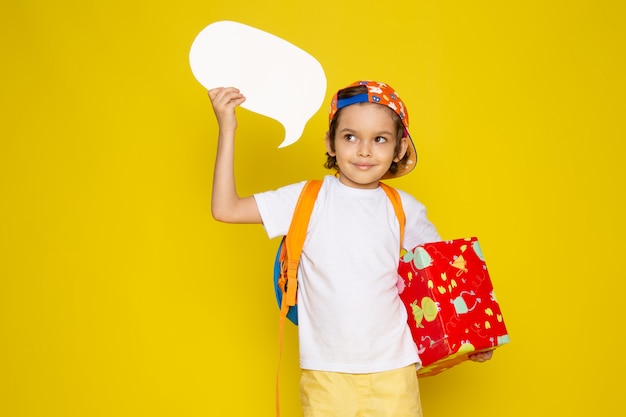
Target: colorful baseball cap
(384, 94)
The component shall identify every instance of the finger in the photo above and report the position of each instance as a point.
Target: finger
(226, 96)
(213, 92)
(217, 90)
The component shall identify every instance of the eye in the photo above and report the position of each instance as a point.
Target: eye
(380, 139)
(349, 137)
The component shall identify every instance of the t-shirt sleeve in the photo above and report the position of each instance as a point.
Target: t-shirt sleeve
(276, 208)
(418, 229)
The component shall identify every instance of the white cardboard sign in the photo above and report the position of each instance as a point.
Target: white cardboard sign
(279, 80)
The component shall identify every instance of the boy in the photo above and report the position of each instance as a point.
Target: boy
(356, 351)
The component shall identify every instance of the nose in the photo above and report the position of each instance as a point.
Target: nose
(365, 149)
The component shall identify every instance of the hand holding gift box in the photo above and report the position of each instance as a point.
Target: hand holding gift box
(452, 309)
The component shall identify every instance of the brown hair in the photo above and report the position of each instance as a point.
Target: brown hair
(331, 161)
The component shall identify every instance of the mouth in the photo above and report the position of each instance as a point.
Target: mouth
(363, 166)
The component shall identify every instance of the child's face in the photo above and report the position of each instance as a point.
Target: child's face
(365, 143)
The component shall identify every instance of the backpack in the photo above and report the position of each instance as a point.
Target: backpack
(290, 248)
(289, 251)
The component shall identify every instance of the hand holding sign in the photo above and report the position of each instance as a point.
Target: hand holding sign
(279, 80)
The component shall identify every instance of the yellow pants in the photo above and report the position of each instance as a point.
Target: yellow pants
(382, 394)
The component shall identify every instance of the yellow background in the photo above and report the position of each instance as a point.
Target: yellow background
(121, 296)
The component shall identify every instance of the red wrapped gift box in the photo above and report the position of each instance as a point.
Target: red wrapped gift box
(450, 302)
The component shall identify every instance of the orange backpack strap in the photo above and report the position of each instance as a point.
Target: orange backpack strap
(294, 241)
(396, 201)
(290, 259)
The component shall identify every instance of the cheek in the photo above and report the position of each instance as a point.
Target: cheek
(341, 148)
(391, 152)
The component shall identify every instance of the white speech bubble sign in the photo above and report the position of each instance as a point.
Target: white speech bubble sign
(279, 79)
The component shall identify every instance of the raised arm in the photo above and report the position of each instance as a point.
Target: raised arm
(226, 205)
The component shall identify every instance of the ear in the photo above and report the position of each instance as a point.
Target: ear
(329, 147)
(404, 145)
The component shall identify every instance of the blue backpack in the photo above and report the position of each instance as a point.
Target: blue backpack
(290, 248)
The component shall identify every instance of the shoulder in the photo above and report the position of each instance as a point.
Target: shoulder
(329, 181)
(410, 203)
(279, 202)
(419, 229)
(276, 207)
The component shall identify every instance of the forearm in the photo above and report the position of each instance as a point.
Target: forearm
(226, 204)
(224, 196)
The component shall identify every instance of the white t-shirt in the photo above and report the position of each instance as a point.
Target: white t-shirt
(350, 316)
